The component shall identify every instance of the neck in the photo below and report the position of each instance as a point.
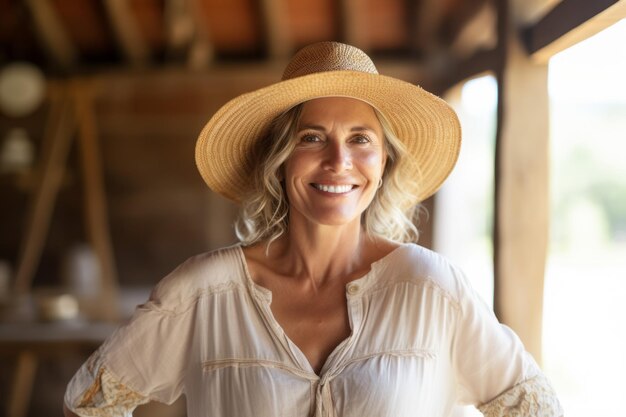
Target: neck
(321, 253)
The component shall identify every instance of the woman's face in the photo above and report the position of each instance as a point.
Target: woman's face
(333, 173)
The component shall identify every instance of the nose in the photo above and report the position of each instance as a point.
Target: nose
(337, 157)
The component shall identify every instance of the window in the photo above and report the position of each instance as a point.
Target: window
(584, 340)
(463, 227)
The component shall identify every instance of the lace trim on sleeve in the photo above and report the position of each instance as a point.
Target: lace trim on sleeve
(106, 396)
(533, 397)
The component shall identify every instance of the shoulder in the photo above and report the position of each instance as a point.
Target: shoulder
(210, 272)
(411, 262)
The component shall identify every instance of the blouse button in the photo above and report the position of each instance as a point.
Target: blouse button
(353, 289)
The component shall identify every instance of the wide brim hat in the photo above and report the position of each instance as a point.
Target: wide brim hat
(427, 125)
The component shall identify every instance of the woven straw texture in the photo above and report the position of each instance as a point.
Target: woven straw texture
(428, 127)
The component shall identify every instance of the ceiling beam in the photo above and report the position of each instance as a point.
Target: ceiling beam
(275, 23)
(569, 22)
(477, 31)
(480, 62)
(52, 34)
(127, 33)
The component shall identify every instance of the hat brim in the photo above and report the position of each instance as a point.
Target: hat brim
(426, 124)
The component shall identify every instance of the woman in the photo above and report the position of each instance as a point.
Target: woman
(323, 309)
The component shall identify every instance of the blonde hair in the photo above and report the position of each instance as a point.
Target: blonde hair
(264, 212)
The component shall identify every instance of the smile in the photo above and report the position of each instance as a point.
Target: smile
(335, 189)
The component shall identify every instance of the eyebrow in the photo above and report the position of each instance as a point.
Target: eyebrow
(323, 129)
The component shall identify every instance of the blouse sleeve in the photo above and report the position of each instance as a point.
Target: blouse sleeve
(144, 360)
(493, 369)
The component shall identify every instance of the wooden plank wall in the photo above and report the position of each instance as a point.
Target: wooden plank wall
(160, 211)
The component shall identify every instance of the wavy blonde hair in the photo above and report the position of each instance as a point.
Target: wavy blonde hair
(264, 212)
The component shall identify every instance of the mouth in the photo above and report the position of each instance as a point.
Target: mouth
(334, 189)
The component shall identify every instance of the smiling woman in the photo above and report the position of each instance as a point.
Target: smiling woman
(325, 308)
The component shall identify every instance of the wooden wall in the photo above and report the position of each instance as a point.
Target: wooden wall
(160, 211)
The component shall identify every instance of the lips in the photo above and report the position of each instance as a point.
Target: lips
(334, 189)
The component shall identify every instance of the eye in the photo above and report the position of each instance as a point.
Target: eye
(310, 138)
(361, 139)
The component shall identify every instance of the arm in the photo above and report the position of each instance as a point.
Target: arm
(533, 397)
(130, 368)
(492, 366)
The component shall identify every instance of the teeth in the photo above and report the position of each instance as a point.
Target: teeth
(336, 189)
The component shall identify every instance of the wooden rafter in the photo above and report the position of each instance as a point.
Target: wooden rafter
(479, 62)
(276, 28)
(128, 35)
(478, 32)
(52, 34)
(569, 22)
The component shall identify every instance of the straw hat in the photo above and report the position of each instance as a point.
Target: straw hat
(427, 126)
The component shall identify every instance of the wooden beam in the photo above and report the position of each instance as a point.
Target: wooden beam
(276, 28)
(522, 195)
(127, 33)
(96, 217)
(480, 62)
(478, 31)
(52, 34)
(57, 140)
(568, 23)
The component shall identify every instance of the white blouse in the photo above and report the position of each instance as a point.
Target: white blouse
(421, 341)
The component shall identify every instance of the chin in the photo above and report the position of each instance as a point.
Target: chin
(335, 219)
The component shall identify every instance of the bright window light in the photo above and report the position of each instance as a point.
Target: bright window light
(584, 338)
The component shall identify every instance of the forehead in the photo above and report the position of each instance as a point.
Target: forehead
(339, 109)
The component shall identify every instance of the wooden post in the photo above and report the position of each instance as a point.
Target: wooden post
(522, 205)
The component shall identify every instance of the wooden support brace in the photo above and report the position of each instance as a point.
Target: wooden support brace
(53, 36)
(127, 32)
(23, 380)
(57, 141)
(96, 217)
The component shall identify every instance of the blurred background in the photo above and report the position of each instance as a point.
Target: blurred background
(101, 103)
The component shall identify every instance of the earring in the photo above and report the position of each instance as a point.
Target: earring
(380, 182)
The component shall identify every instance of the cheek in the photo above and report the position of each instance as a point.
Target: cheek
(372, 161)
(290, 168)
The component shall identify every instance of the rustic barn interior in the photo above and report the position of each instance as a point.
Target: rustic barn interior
(126, 88)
